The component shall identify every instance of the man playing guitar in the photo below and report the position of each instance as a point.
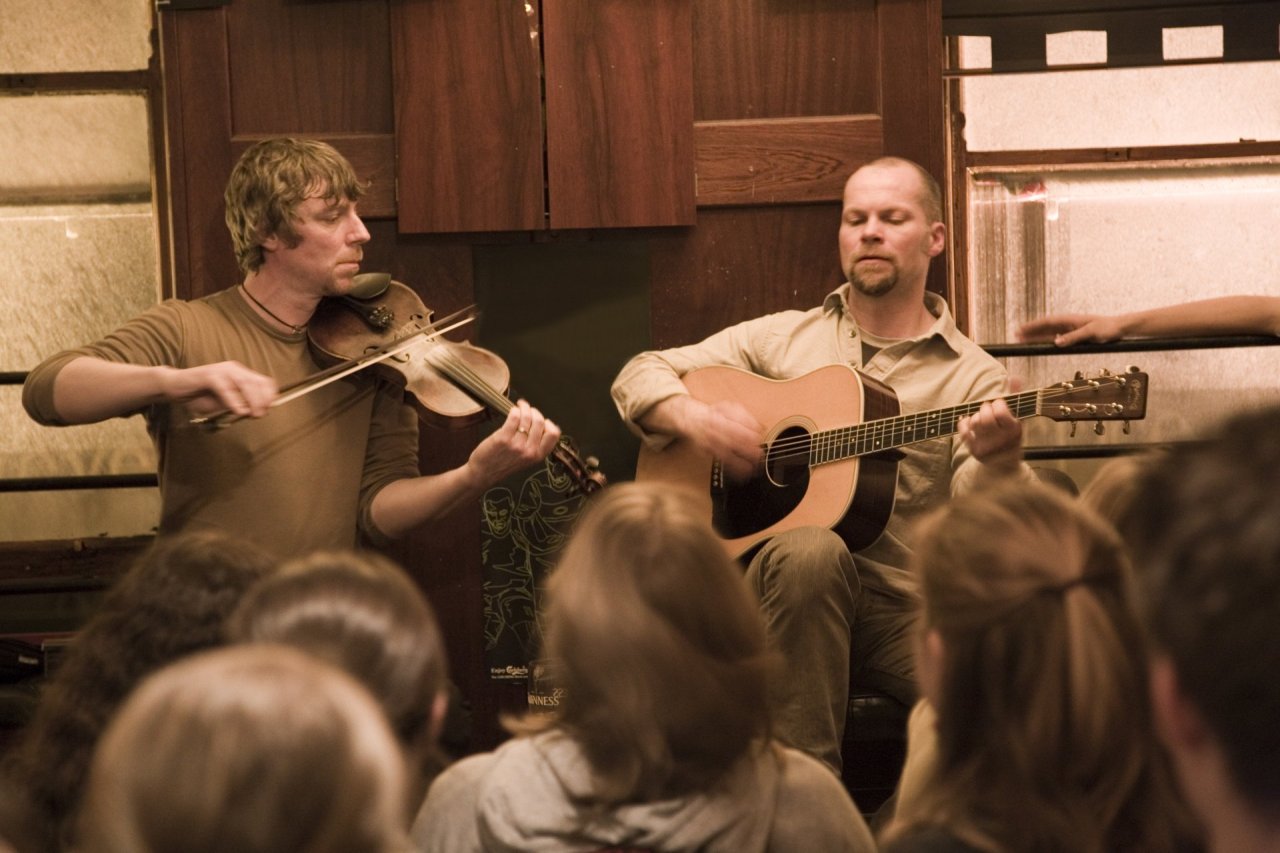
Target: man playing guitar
(832, 614)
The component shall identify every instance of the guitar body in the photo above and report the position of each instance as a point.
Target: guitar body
(852, 496)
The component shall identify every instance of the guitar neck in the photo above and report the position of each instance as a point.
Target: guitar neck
(888, 433)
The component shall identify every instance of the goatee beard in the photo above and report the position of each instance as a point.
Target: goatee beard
(878, 286)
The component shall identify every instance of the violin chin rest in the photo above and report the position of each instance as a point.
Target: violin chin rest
(368, 285)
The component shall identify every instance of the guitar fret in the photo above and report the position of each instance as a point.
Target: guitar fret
(888, 433)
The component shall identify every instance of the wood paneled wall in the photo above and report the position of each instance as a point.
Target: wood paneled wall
(723, 129)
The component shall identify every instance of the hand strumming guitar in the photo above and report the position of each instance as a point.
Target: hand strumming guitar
(725, 430)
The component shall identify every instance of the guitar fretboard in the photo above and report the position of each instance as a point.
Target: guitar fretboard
(888, 433)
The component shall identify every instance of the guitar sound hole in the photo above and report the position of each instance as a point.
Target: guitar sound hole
(741, 509)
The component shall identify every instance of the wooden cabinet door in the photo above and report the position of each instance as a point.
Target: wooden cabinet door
(564, 114)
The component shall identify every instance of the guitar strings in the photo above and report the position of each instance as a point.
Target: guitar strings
(905, 423)
(803, 445)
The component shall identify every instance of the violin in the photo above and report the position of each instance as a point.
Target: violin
(448, 383)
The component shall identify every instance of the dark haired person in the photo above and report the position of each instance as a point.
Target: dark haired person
(171, 603)
(362, 613)
(1206, 540)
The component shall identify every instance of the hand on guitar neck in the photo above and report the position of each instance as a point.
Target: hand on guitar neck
(722, 430)
(992, 434)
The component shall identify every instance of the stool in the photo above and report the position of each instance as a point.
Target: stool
(874, 748)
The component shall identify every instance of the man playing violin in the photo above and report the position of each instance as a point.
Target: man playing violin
(328, 467)
(830, 613)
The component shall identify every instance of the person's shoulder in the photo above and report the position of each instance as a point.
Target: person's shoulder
(813, 805)
(175, 309)
(804, 768)
(226, 301)
(446, 820)
(455, 786)
(805, 779)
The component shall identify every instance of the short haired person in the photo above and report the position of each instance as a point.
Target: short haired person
(360, 612)
(246, 749)
(1205, 538)
(338, 463)
(835, 615)
(661, 738)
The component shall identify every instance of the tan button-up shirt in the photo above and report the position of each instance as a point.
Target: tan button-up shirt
(938, 369)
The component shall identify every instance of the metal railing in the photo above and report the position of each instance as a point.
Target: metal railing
(145, 480)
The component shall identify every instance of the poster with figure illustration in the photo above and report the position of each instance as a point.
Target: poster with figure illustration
(521, 534)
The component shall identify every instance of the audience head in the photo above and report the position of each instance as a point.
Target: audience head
(268, 183)
(1033, 656)
(1115, 490)
(173, 601)
(658, 644)
(1207, 539)
(249, 749)
(362, 613)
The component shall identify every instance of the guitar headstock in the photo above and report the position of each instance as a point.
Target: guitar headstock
(1105, 396)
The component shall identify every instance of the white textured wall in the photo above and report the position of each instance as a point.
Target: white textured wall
(80, 251)
(42, 36)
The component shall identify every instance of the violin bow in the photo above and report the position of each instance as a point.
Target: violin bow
(343, 369)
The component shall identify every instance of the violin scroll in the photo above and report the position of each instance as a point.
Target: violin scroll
(585, 473)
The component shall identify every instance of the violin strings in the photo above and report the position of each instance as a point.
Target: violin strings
(458, 369)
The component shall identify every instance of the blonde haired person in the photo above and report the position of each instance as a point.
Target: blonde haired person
(1032, 657)
(362, 613)
(332, 468)
(661, 740)
(248, 749)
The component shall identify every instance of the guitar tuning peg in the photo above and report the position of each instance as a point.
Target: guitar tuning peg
(1104, 372)
(1133, 368)
(1074, 424)
(1079, 375)
(1125, 428)
(1098, 428)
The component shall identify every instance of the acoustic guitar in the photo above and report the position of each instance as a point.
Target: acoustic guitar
(831, 446)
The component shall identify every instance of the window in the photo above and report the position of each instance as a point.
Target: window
(1105, 190)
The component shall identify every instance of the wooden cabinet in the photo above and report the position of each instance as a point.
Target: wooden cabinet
(577, 114)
